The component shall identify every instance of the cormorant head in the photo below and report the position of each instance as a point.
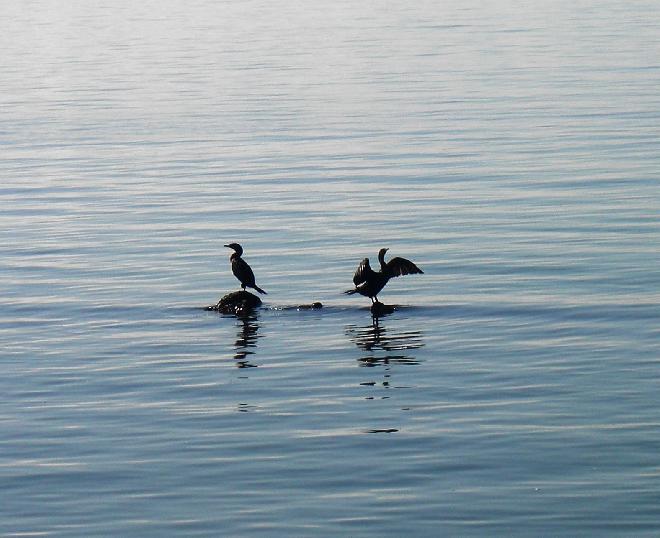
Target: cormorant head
(381, 254)
(236, 247)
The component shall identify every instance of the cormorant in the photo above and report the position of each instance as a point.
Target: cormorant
(241, 269)
(369, 282)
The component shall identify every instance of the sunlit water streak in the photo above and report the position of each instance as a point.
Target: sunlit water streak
(510, 150)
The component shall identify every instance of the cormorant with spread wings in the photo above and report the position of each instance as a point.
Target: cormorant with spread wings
(369, 282)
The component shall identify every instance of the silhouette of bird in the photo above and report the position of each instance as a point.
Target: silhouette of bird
(241, 269)
(369, 282)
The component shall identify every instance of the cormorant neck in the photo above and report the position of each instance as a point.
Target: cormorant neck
(381, 257)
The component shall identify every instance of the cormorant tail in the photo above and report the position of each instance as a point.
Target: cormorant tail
(351, 292)
(259, 289)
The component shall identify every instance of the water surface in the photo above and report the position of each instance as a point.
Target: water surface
(509, 149)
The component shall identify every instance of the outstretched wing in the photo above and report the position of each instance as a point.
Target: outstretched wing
(401, 266)
(362, 272)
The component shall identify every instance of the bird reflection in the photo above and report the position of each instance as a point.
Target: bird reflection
(384, 348)
(376, 337)
(246, 340)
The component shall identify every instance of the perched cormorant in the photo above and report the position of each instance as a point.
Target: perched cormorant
(369, 282)
(241, 269)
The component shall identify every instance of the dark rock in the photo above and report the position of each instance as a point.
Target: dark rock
(380, 309)
(313, 306)
(238, 303)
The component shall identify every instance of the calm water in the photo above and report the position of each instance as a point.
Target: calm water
(511, 149)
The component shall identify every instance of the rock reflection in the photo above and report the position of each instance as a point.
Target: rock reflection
(390, 359)
(246, 340)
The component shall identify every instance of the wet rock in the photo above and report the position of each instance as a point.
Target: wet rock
(238, 303)
(313, 306)
(309, 306)
(380, 309)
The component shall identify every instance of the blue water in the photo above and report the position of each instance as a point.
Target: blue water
(510, 149)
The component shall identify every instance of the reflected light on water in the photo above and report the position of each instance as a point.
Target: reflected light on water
(509, 148)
